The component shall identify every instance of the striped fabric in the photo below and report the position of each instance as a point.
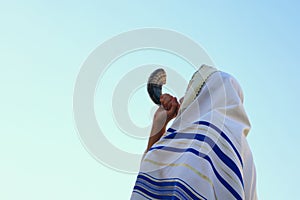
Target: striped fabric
(204, 154)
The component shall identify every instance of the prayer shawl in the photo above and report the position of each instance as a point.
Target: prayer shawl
(204, 154)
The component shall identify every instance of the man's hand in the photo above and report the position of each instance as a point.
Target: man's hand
(167, 111)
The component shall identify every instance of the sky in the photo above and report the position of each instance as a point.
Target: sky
(44, 45)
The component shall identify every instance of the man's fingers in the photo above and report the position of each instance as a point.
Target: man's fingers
(173, 108)
(165, 99)
(169, 105)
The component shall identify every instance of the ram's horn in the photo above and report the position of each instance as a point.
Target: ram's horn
(154, 86)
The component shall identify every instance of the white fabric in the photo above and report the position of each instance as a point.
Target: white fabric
(196, 84)
(204, 154)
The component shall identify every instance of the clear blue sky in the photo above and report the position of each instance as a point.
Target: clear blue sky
(44, 43)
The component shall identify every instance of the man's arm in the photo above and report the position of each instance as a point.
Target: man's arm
(167, 111)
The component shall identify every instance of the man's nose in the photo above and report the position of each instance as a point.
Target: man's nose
(181, 100)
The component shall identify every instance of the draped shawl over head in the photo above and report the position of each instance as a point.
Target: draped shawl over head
(204, 154)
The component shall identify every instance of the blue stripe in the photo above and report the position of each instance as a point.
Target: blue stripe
(153, 195)
(206, 157)
(161, 191)
(223, 135)
(141, 193)
(227, 160)
(172, 179)
(171, 130)
(141, 181)
(173, 182)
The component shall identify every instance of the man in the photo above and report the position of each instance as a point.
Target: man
(204, 154)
